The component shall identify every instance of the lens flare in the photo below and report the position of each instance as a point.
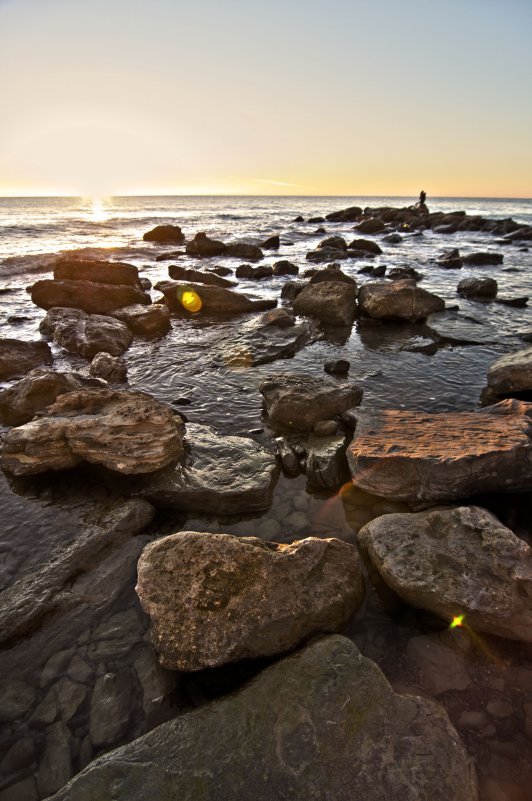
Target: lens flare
(457, 621)
(190, 300)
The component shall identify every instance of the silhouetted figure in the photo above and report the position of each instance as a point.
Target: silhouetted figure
(422, 197)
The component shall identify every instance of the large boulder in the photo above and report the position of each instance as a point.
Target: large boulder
(127, 432)
(34, 393)
(202, 246)
(214, 598)
(298, 402)
(220, 475)
(456, 562)
(89, 334)
(194, 298)
(179, 273)
(331, 302)
(420, 457)
(400, 300)
(165, 235)
(102, 272)
(17, 357)
(321, 724)
(145, 321)
(90, 296)
(511, 373)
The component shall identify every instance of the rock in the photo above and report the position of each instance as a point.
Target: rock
(110, 368)
(478, 288)
(24, 790)
(335, 242)
(297, 402)
(16, 699)
(392, 239)
(34, 393)
(337, 367)
(326, 254)
(374, 272)
(64, 698)
(366, 245)
(418, 457)
(324, 428)
(101, 272)
(285, 267)
(345, 215)
(326, 465)
(402, 273)
(511, 373)
(299, 218)
(450, 259)
(272, 243)
(220, 270)
(201, 246)
(214, 598)
(289, 460)
(451, 328)
(165, 235)
(330, 273)
(17, 357)
(480, 259)
(193, 298)
(243, 250)
(55, 768)
(320, 724)
(128, 432)
(291, 289)
(91, 297)
(333, 303)
(397, 301)
(440, 666)
(156, 682)
(454, 562)
(19, 756)
(373, 225)
(221, 476)
(111, 708)
(89, 334)
(55, 667)
(316, 219)
(179, 273)
(145, 321)
(254, 273)
(519, 302)
(145, 283)
(273, 335)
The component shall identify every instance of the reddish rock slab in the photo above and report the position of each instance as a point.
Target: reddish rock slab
(90, 296)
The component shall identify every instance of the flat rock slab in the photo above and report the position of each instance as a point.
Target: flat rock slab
(221, 475)
(456, 562)
(418, 457)
(511, 373)
(90, 296)
(450, 328)
(399, 300)
(128, 432)
(17, 357)
(196, 298)
(103, 272)
(322, 724)
(145, 321)
(214, 598)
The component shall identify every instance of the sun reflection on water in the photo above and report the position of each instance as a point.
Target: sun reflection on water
(97, 211)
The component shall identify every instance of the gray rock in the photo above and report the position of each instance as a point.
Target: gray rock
(17, 357)
(110, 368)
(79, 670)
(321, 724)
(55, 667)
(297, 402)
(24, 790)
(331, 302)
(452, 328)
(111, 708)
(149, 322)
(454, 562)
(16, 699)
(478, 288)
(156, 682)
(326, 465)
(63, 700)
(511, 373)
(222, 475)
(418, 457)
(450, 259)
(55, 768)
(337, 367)
(128, 432)
(399, 300)
(289, 460)
(214, 598)
(87, 334)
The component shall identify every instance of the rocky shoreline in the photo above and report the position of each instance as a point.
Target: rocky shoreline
(234, 621)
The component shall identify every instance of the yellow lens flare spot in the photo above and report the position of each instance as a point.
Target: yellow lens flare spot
(457, 621)
(190, 300)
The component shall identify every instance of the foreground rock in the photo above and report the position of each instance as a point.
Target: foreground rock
(87, 334)
(331, 302)
(150, 322)
(165, 235)
(91, 297)
(102, 272)
(511, 373)
(34, 393)
(128, 432)
(214, 598)
(220, 475)
(320, 724)
(456, 562)
(195, 298)
(298, 402)
(399, 300)
(418, 457)
(17, 357)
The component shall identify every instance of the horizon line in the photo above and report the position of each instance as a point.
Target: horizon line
(238, 195)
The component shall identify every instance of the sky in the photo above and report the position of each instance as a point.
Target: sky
(321, 97)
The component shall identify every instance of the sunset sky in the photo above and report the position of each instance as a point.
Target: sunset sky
(335, 97)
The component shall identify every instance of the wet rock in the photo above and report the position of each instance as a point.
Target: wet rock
(316, 219)
(145, 321)
(165, 235)
(254, 273)
(374, 272)
(38, 390)
(220, 270)
(179, 273)
(16, 699)
(480, 259)
(128, 432)
(418, 457)
(222, 475)
(518, 302)
(337, 367)
(202, 246)
(326, 465)
(55, 768)
(245, 598)
(292, 289)
(397, 301)
(456, 562)
(278, 734)
(110, 368)
(331, 302)
(111, 708)
(373, 225)
(299, 218)
(350, 214)
(481, 288)
(330, 273)
(337, 242)
(89, 334)
(392, 239)
(511, 373)
(450, 259)
(285, 267)
(404, 273)
(102, 272)
(91, 297)
(243, 250)
(145, 284)
(366, 245)
(452, 328)
(326, 254)
(272, 243)
(297, 402)
(212, 299)
(17, 357)
(289, 459)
